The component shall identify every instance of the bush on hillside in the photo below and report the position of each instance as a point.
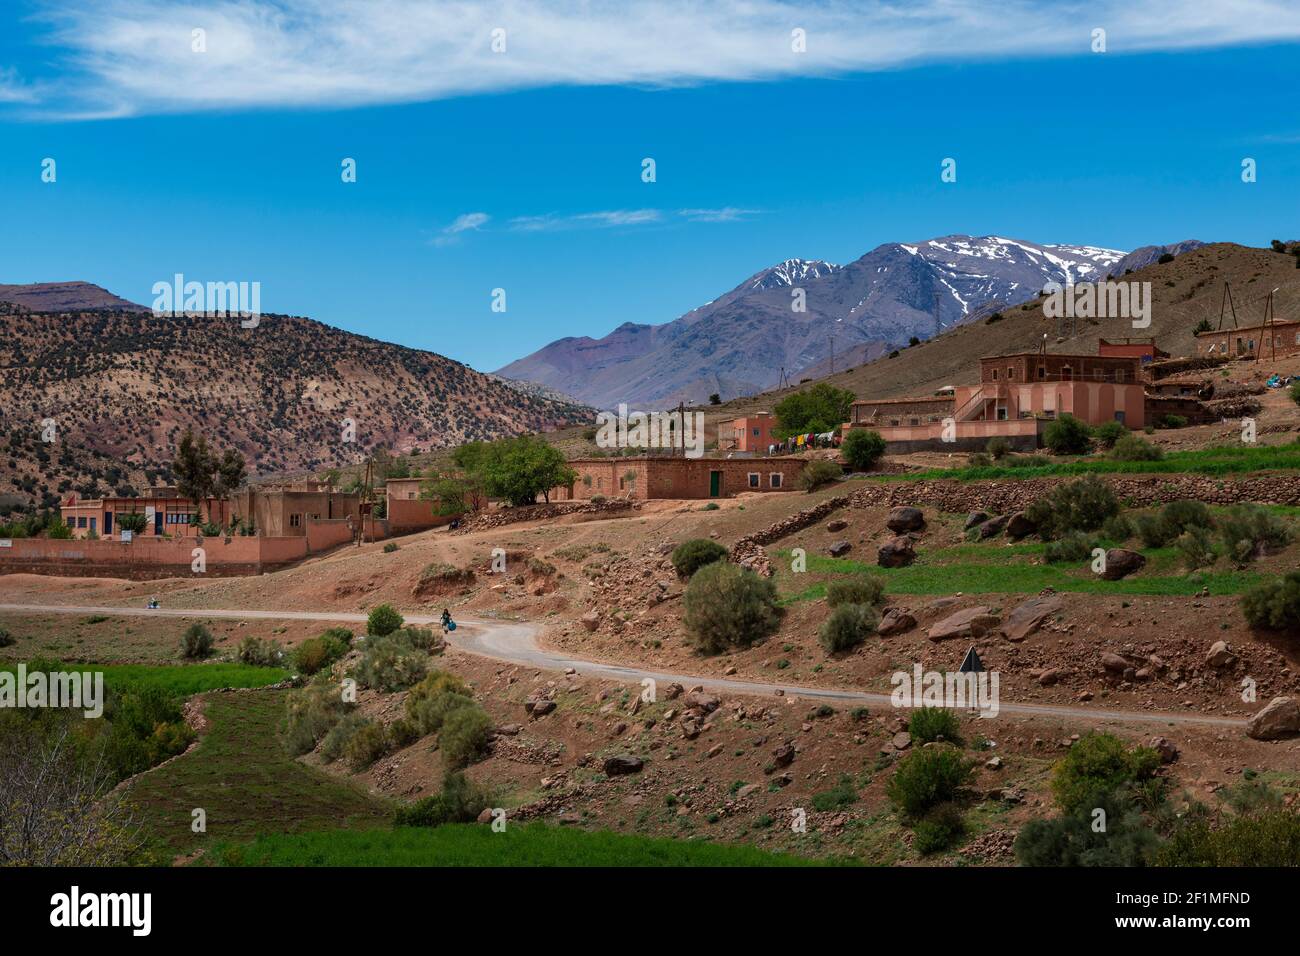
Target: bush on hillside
(1274, 604)
(430, 713)
(859, 589)
(728, 606)
(1172, 421)
(7, 639)
(1249, 531)
(689, 556)
(464, 735)
(196, 642)
(366, 746)
(1099, 762)
(319, 652)
(460, 801)
(383, 620)
(1080, 505)
(260, 652)
(939, 830)
(934, 723)
(434, 683)
(998, 447)
(820, 472)
(1133, 448)
(1271, 838)
(848, 626)
(391, 663)
(1107, 433)
(1071, 548)
(1196, 548)
(335, 742)
(862, 448)
(1067, 435)
(311, 713)
(926, 778)
(1118, 528)
(1072, 840)
(1162, 528)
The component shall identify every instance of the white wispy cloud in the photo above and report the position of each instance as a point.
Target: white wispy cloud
(13, 90)
(465, 222)
(724, 214)
(553, 222)
(126, 57)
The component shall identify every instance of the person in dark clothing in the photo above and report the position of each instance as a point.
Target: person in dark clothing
(446, 619)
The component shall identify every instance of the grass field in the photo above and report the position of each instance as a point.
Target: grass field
(245, 781)
(1006, 570)
(1208, 461)
(474, 845)
(179, 680)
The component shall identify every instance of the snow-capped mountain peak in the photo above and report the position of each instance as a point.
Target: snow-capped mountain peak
(791, 272)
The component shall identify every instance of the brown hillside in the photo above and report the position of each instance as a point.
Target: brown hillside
(124, 386)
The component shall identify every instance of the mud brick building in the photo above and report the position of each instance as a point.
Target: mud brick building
(1281, 338)
(646, 476)
(754, 433)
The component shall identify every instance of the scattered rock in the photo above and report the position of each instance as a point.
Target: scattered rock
(896, 553)
(902, 740)
(1121, 562)
(972, 622)
(1027, 616)
(1220, 656)
(591, 620)
(975, 518)
(540, 708)
(621, 764)
(993, 526)
(839, 524)
(783, 755)
(895, 620)
(1114, 663)
(903, 519)
(839, 548)
(1019, 525)
(1280, 719)
(1165, 748)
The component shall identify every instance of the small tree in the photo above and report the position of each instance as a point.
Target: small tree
(689, 556)
(1067, 435)
(715, 399)
(728, 606)
(821, 408)
(383, 620)
(862, 448)
(848, 626)
(196, 642)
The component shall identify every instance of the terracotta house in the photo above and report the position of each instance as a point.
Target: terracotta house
(667, 477)
(1281, 338)
(754, 433)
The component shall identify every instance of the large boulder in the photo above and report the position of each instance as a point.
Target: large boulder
(975, 518)
(896, 553)
(1028, 615)
(993, 526)
(1121, 562)
(591, 620)
(895, 620)
(971, 622)
(1020, 526)
(1114, 663)
(905, 519)
(1220, 656)
(1279, 720)
(839, 524)
(621, 764)
(839, 548)
(698, 699)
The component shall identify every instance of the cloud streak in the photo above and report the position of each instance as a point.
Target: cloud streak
(128, 57)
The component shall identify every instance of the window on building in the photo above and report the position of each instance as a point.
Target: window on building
(757, 432)
(1042, 371)
(1011, 373)
(92, 524)
(81, 522)
(295, 520)
(774, 479)
(995, 375)
(1067, 373)
(753, 479)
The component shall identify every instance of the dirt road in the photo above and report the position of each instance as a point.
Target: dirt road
(516, 643)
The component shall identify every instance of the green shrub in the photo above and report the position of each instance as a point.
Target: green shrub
(1071, 840)
(1067, 435)
(434, 683)
(7, 639)
(1107, 433)
(926, 778)
(979, 460)
(859, 589)
(260, 652)
(998, 447)
(1118, 528)
(383, 620)
(1295, 386)
(1099, 762)
(391, 663)
(819, 472)
(1274, 604)
(1080, 505)
(1271, 838)
(59, 531)
(1163, 527)
(402, 733)
(390, 547)
(424, 638)
(1132, 448)
(317, 653)
(196, 642)
(938, 830)
(1025, 461)
(1073, 547)
(464, 735)
(728, 606)
(928, 724)
(368, 744)
(310, 714)
(862, 448)
(430, 713)
(848, 626)
(1196, 548)
(840, 795)
(689, 556)
(335, 743)
(1172, 421)
(1248, 531)
(460, 801)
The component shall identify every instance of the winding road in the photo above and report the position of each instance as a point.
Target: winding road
(516, 643)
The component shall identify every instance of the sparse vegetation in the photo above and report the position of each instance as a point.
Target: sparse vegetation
(926, 778)
(1080, 505)
(862, 448)
(818, 473)
(196, 642)
(1274, 604)
(928, 724)
(382, 620)
(1067, 435)
(1132, 448)
(859, 589)
(728, 606)
(848, 626)
(689, 556)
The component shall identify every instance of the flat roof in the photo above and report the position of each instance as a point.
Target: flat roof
(1248, 328)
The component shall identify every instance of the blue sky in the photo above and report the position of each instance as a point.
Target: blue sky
(234, 172)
